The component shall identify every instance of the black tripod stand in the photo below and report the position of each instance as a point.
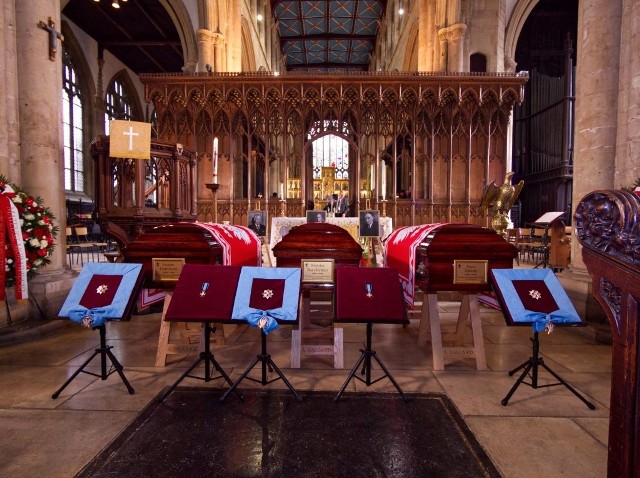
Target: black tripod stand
(207, 357)
(104, 351)
(531, 368)
(365, 360)
(267, 362)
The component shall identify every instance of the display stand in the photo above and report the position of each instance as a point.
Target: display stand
(102, 292)
(204, 294)
(535, 298)
(430, 323)
(307, 331)
(265, 298)
(370, 296)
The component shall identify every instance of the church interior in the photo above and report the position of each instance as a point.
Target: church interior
(442, 139)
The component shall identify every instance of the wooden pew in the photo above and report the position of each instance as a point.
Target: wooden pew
(606, 225)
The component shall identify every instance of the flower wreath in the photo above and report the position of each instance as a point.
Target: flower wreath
(28, 234)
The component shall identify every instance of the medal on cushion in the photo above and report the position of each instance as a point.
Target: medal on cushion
(369, 289)
(203, 290)
(262, 322)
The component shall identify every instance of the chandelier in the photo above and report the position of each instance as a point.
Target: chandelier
(114, 3)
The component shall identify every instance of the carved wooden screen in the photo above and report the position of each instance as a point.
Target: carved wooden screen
(441, 139)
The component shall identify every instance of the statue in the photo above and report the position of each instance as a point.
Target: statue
(498, 200)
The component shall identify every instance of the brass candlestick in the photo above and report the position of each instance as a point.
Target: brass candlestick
(384, 207)
(283, 207)
(214, 190)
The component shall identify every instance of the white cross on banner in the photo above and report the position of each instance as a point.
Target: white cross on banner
(129, 139)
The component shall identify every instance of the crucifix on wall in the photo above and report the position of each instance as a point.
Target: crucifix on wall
(54, 35)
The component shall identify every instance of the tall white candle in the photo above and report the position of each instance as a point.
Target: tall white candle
(214, 159)
(281, 190)
(383, 179)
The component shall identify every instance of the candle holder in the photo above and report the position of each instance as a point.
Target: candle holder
(384, 207)
(214, 190)
(283, 207)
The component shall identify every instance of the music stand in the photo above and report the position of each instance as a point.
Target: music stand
(545, 221)
(535, 297)
(204, 293)
(102, 292)
(371, 296)
(265, 298)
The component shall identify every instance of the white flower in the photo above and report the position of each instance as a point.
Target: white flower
(17, 199)
(33, 242)
(9, 261)
(43, 244)
(21, 223)
(41, 222)
(37, 262)
(29, 217)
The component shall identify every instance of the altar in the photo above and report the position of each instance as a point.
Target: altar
(280, 226)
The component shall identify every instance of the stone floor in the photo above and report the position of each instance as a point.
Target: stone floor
(546, 432)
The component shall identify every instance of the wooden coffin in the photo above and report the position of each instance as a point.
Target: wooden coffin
(458, 257)
(317, 241)
(167, 246)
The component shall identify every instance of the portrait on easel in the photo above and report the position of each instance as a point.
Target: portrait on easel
(316, 216)
(257, 222)
(369, 223)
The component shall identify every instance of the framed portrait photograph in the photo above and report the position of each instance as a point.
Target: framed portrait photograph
(258, 222)
(316, 216)
(369, 223)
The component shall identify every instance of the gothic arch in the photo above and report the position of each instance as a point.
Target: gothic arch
(123, 77)
(518, 17)
(180, 16)
(248, 62)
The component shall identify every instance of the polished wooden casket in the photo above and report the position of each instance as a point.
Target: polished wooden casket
(458, 257)
(169, 243)
(317, 241)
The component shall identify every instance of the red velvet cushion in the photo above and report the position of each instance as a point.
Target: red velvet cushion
(535, 296)
(187, 303)
(386, 303)
(100, 291)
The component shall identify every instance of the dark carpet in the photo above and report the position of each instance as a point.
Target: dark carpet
(272, 435)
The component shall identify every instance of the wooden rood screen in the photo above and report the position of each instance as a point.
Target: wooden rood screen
(425, 143)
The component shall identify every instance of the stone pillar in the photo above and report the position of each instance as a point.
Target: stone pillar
(456, 36)
(627, 167)
(205, 49)
(9, 124)
(219, 59)
(597, 83)
(41, 139)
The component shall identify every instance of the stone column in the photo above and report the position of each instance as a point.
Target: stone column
(41, 140)
(627, 167)
(205, 49)
(219, 59)
(456, 35)
(9, 124)
(597, 83)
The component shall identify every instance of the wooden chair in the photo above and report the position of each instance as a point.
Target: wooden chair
(72, 248)
(83, 244)
(513, 237)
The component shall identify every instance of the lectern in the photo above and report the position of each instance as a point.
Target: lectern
(266, 297)
(203, 293)
(370, 296)
(534, 297)
(102, 292)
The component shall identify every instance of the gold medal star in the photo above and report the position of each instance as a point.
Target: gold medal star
(267, 293)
